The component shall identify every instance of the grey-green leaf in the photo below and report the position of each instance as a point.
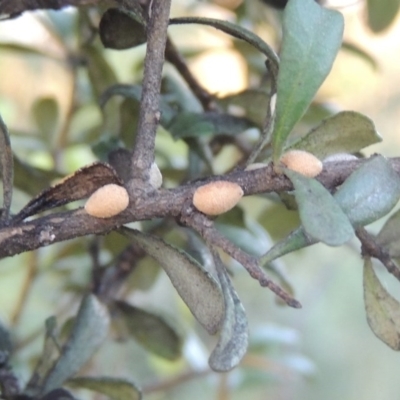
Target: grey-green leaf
(7, 170)
(383, 310)
(152, 331)
(198, 289)
(134, 92)
(370, 192)
(121, 29)
(345, 132)
(105, 146)
(296, 240)
(89, 331)
(128, 91)
(320, 214)
(247, 234)
(389, 235)
(113, 388)
(312, 36)
(381, 13)
(233, 340)
(190, 124)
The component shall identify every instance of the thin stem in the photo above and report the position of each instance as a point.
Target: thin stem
(175, 58)
(149, 116)
(236, 31)
(112, 277)
(206, 229)
(7, 170)
(370, 248)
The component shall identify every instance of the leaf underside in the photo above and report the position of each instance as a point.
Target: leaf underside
(383, 310)
(197, 288)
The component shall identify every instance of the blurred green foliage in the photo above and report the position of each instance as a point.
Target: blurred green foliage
(68, 101)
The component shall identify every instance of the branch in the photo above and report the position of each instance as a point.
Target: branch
(370, 248)
(176, 203)
(149, 116)
(43, 231)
